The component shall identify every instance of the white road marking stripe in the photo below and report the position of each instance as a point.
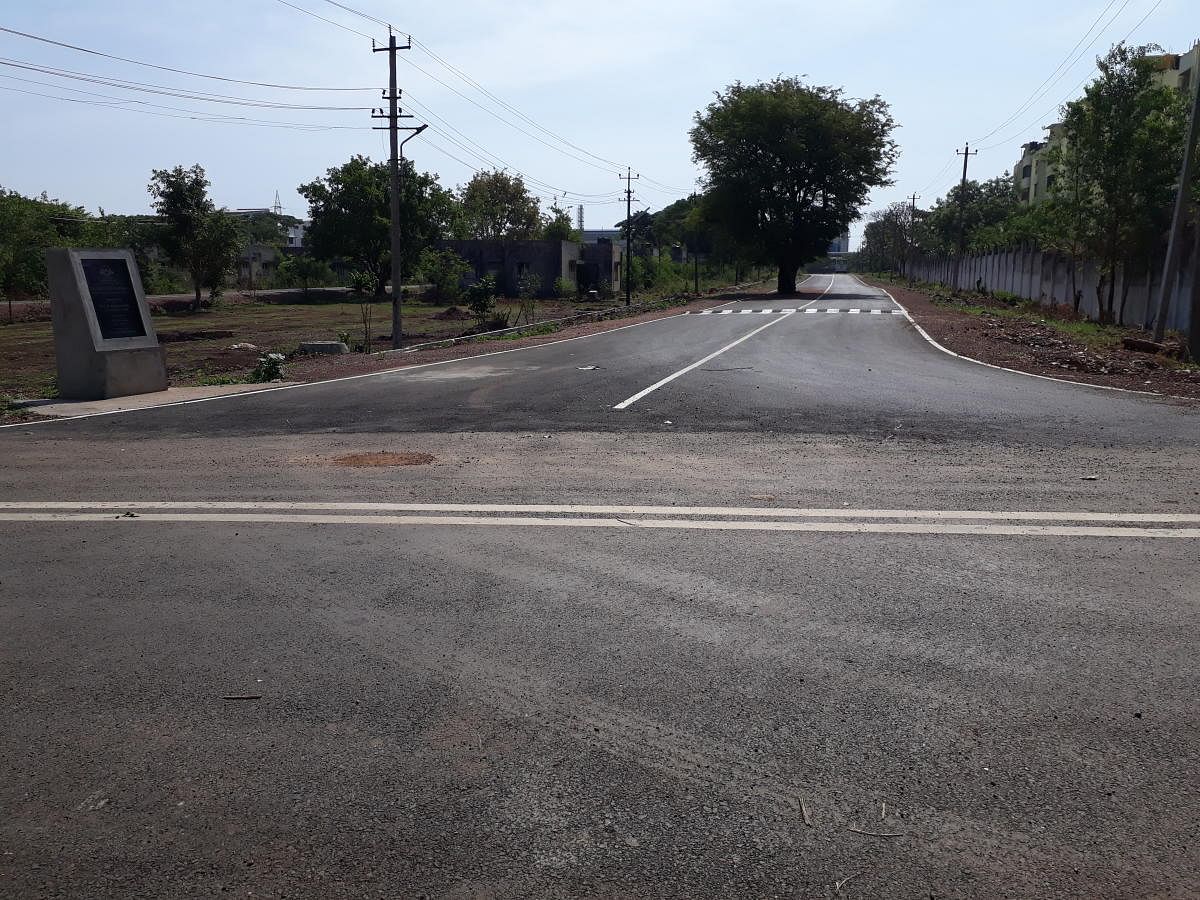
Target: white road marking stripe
(745, 312)
(833, 310)
(897, 312)
(855, 312)
(877, 312)
(606, 509)
(563, 522)
(727, 312)
(625, 404)
(811, 311)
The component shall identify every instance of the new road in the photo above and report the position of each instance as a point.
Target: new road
(773, 599)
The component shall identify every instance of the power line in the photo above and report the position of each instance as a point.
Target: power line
(192, 115)
(1075, 89)
(148, 88)
(363, 15)
(1063, 66)
(323, 19)
(136, 62)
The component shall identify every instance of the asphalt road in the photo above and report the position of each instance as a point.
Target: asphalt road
(744, 604)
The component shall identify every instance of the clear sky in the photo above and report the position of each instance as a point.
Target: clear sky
(620, 79)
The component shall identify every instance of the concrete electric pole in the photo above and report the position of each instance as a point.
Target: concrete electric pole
(629, 178)
(394, 115)
(1174, 245)
(966, 153)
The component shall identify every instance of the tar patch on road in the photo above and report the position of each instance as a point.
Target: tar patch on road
(381, 460)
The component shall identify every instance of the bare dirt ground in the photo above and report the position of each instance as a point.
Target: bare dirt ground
(1045, 341)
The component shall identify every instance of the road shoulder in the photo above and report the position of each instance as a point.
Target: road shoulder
(1042, 344)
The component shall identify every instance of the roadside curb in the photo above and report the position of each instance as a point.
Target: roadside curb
(980, 362)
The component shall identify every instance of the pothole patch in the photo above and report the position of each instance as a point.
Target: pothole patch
(382, 460)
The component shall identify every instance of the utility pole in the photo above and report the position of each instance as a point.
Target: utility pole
(912, 234)
(394, 115)
(629, 178)
(966, 153)
(1174, 245)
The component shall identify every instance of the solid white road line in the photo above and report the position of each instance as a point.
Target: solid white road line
(625, 404)
(902, 311)
(912, 528)
(606, 509)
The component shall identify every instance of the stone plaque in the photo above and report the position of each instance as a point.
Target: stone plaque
(104, 340)
(113, 298)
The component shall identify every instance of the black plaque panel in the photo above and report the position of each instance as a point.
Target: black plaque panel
(113, 298)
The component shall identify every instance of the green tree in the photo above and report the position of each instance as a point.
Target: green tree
(445, 270)
(1126, 136)
(788, 166)
(982, 208)
(350, 210)
(201, 239)
(558, 226)
(304, 271)
(498, 206)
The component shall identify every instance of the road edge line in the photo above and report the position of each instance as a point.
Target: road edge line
(304, 384)
(980, 362)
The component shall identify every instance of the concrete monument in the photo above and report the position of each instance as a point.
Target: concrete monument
(103, 337)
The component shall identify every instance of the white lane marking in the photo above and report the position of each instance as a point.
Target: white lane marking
(606, 509)
(877, 312)
(625, 404)
(745, 312)
(979, 362)
(833, 310)
(811, 311)
(855, 312)
(766, 311)
(726, 312)
(393, 371)
(914, 528)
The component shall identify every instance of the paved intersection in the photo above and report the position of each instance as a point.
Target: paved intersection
(728, 604)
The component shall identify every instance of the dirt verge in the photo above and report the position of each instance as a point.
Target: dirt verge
(1045, 341)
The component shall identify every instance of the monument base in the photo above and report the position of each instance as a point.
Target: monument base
(102, 376)
(104, 340)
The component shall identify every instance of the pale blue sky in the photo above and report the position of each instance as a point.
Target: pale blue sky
(620, 79)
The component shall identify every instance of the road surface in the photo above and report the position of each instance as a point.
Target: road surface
(777, 600)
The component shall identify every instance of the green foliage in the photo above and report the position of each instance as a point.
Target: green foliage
(789, 165)
(350, 210)
(565, 287)
(985, 208)
(558, 226)
(364, 284)
(445, 270)
(269, 368)
(304, 272)
(497, 206)
(481, 298)
(528, 285)
(1124, 138)
(201, 239)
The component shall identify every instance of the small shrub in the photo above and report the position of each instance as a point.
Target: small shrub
(344, 337)
(444, 270)
(481, 298)
(269, 368)
(565, 287)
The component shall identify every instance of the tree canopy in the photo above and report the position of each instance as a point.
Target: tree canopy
(498, 206)
(198, 237)
(788, 166)
(351, 216)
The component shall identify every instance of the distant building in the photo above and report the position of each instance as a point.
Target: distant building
(295, 235)
(592, 235)
(584, 266)
(841, 245)
(1034, 175)
(1180, 70)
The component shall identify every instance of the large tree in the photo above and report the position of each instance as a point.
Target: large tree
(498, 206)
(788, 166)
(979, 208)
(199, 238)
(1126, 136)
(351, 216)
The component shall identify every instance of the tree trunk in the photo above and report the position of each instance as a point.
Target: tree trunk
(1076, 294)
(1124, 296)
(196, 299)
(1112, 294)
(787, 278)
